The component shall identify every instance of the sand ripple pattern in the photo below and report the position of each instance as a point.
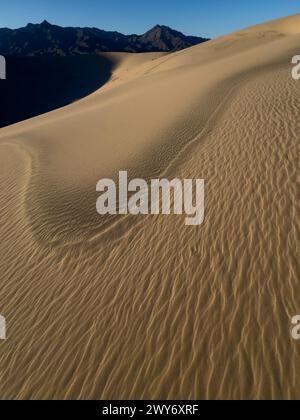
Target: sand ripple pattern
(168, 311)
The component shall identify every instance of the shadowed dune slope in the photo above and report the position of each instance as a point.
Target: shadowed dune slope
(36, 85)
(146, 307)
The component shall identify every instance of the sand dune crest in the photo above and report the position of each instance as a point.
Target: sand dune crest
(150, 308)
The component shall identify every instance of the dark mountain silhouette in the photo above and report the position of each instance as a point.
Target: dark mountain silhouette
(53, 40)
(163, 38)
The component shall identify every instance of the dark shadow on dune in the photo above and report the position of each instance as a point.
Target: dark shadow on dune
(36, 85)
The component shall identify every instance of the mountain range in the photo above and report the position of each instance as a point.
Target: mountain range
(53, 40)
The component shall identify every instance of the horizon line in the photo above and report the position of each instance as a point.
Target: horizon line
(152, 27)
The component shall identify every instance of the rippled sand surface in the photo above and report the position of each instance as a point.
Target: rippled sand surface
(146, 307)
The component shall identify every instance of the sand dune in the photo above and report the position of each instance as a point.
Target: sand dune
(37, 85)
(147, 307)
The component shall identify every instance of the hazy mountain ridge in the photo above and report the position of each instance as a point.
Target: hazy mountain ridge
(48, 39)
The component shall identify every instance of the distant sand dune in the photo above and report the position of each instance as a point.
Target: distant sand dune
(146, 307)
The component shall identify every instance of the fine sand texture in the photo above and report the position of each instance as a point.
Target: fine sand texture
(144, 306)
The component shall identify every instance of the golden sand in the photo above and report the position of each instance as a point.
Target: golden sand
(148, 307)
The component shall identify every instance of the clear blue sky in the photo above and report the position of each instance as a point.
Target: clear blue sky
(196, 17)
